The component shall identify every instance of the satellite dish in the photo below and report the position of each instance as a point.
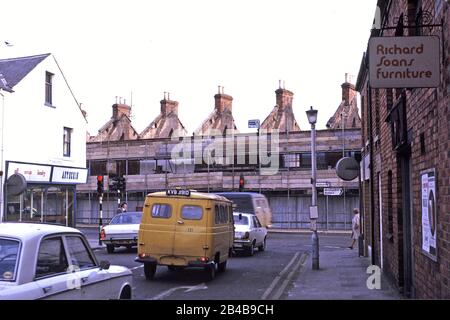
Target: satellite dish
(16, 184)
(347, 169)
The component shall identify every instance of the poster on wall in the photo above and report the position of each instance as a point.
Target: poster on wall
(429, 213)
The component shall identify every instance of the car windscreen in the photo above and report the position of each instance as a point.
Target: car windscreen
(240, 220)
(243, 202)
(9, 254)
(127, 218)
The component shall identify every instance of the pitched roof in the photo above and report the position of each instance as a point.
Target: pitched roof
(13, 70)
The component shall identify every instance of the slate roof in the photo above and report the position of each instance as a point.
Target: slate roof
(13, 70)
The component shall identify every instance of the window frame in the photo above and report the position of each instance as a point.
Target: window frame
(67, 141)
(19, 254)
(49, 88)
(161, 204)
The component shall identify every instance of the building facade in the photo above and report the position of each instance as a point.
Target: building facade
(278, 164)
(406, 159)
(43, 151)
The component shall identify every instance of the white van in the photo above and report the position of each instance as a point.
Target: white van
(251, 202)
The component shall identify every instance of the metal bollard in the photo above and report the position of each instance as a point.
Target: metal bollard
(315, 251)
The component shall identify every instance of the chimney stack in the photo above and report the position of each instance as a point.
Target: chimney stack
(119, 109)
(224, 102)
(284, 98)
(348, 91)
(168, 106)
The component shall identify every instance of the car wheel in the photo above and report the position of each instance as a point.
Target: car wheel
(251, 249)
(110, 248)
(262, 247)
(125, 294)
(210, 271)
(149, 270)
(222, 266)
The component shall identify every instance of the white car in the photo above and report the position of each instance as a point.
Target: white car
(40, 261)
(248, 233)
(121, 231)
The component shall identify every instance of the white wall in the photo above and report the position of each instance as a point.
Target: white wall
(33, 132)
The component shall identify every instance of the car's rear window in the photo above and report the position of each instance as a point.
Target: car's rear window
(9, 254)
(127, 218)
(191, 212)
(242, 220)
(161, 211)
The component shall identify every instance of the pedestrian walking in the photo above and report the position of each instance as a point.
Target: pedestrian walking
(122, 208)
(356, 231)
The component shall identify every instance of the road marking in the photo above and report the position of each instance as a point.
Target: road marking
(167, 293)
(132, 269)
(301, 262)
(277, 278)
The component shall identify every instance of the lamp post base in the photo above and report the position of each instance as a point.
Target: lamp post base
(315, 250)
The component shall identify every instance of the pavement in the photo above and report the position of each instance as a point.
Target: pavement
(342, 274)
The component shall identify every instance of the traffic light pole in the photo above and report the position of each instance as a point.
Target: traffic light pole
(100, 220)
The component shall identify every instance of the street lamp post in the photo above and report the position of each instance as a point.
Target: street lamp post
(313, 212)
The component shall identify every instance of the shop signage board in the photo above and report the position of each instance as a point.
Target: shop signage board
(404, 62)
(31, 172)
(69, 175)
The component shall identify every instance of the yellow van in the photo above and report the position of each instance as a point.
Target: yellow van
(180, 228)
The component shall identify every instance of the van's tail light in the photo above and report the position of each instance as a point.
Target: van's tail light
(203, 259)
(143, 255)
(102, 234)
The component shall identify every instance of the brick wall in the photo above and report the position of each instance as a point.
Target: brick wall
(427, 114)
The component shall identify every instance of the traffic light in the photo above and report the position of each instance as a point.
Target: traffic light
(113, 183)
(99, 185)
(241, 183)
(121, 184)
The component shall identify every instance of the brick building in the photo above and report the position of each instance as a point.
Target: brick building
(148, 165)
(406, 140)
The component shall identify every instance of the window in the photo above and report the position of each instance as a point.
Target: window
(192, 212)
(9, 254)
(390, 203)
(66, 141)
(98, 168)
(79, 255)
(52, 259)
(256, 222)
(48, 88)
(161, 211)
(240, 220)
(291, 160)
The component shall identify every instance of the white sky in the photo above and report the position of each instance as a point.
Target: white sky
(189, 47)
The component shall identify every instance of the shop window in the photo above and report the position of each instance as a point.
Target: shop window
(67, 140)
(291, 160)
(397, 120)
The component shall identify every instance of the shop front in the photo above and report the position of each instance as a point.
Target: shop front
(49, 195)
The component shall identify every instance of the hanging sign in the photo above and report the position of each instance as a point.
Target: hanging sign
(404, 62)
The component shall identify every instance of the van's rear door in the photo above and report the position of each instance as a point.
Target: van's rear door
(158, 226)
(191, 228)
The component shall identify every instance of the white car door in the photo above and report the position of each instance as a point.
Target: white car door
(258, 231)
(51, 271)
(93, 281)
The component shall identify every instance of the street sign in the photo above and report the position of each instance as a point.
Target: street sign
(254, 124)
(347, 169)
(332, 191)
(324, 184)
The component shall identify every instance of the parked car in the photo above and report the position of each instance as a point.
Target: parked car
(41, 261)
(121, 231)
(251, 202)
(248, 233)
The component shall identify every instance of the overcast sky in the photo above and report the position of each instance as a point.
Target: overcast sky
(188, 48)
